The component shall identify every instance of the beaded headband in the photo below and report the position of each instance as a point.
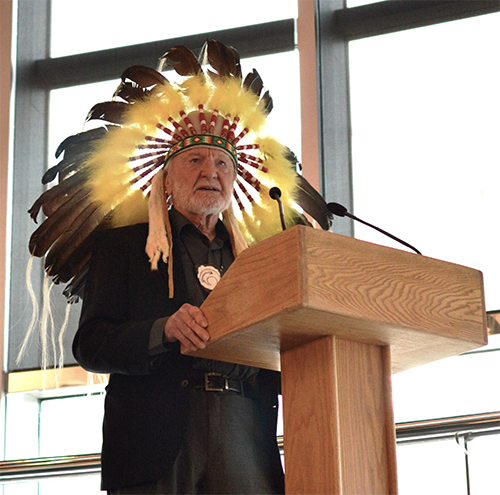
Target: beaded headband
(204, 140)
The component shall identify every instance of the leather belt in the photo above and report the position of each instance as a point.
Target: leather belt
(216, 382)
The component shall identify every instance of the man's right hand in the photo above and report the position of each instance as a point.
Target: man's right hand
(188, 325)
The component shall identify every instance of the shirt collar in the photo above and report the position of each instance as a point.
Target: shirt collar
(178, 222)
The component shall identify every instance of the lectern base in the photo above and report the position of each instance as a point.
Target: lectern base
(339, 434)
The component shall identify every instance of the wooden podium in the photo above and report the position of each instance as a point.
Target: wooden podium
(337, 316)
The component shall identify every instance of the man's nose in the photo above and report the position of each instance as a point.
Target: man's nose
(209, 168)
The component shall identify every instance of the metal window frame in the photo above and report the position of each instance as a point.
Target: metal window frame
(414, 432)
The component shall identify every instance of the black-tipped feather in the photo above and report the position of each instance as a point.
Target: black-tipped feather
(182, 60)
(56, 224)
(75, 288)
(313, 203)
(253, 82)
(80, 139)
(65, 189)
(126, 91)
(71, 163)
(225, 60)
(70, 240)
(77, 260)
(144, 77)
(267, 103)
(110, 111)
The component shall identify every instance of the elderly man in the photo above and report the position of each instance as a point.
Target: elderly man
(148, 213)
(169, 428)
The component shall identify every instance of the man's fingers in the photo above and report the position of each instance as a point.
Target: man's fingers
(195, 320)
(197, 315)
(191, 342)
(193, 333)
(188, 326)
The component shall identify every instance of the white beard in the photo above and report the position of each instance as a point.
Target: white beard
(201, 204)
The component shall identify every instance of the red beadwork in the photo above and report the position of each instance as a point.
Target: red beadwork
(252, 158)
(213, 121)
(230, 134)
(225, 126)
(238, 201)
(241, 135)
(147, 155)
(155, 161)
(188, 123)
(168, 131)
(203, 120)
(178, 127)
(248, 147)
(252, 163)
(158, 146)
(252, 180)
(245, 191)
(157, 139)
(142, 175)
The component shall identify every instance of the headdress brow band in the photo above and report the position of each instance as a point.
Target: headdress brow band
(203, 140)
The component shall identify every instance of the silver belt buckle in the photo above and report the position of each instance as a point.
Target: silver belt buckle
(211, 388)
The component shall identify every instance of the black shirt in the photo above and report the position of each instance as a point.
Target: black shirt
(195, 249)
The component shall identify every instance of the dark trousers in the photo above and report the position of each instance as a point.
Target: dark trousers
(225, 452)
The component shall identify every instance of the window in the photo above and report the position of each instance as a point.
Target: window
(399, 165)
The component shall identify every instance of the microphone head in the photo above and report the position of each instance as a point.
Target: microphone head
(275, 193)
(337, 209)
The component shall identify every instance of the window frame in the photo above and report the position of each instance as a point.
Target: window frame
(335, 26)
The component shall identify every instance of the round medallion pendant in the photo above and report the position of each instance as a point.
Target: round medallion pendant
(208, 276)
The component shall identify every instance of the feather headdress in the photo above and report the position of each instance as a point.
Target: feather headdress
(106, 175)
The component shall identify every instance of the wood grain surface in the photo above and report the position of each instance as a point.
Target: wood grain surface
(304, 283)
(339, 433)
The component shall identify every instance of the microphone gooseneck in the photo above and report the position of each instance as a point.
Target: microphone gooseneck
(275, 193)
(341, 211)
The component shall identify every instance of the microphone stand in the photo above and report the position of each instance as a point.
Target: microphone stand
(341, 211)
(275, 194)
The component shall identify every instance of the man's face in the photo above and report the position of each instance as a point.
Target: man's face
(200, 181)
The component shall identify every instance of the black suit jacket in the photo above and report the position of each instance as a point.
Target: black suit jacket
(147, 402)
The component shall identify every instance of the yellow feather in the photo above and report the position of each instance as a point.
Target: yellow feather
(133, 209)
(263, 222)
(243, 222)
(219, 98)
(197, 90)
(166, 101)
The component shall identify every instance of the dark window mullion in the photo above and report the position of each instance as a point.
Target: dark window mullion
(85, 68)
(393, 16)
(30, 151)
(334, 127)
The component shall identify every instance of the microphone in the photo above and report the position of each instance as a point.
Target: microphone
(275, 193)
(341, 211)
